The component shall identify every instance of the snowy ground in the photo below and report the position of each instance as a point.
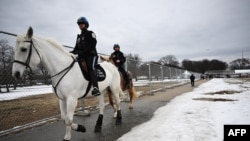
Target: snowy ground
(26, 91)
(186, 119)
(147, 82)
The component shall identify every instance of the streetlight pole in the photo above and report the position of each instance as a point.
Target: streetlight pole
(149, 74)
(170, 72)
(162, 78)
(161, 73)
(175, 73)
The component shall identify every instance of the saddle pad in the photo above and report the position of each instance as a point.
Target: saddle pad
(101, 75)
(100, 72)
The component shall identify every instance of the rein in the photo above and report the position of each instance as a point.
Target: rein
(66, 70)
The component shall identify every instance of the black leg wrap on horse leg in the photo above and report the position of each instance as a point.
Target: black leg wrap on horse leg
(119, 118)
(81, 128)
(98, 126)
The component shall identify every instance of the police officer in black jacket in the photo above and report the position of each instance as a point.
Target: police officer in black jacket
(85, 48)
(119, 59)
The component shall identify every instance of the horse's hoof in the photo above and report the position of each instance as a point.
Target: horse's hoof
(118, 122)
(115, 115)
(81, 128)
(65, 140)
(98, 129)
(119, 118)
(131, 107)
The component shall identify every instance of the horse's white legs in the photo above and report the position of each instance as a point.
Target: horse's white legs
(101, 104)
(130, 105)
(115, 111)
(98, 126)
(67, 113)
(116, 92)
(62, 105)
(111, 102)
(70, 108)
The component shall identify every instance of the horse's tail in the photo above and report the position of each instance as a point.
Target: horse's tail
(132, 94)
(132, 91)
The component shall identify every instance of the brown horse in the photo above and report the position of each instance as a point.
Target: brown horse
(130, 88)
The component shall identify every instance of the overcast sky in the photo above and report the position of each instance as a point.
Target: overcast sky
(187, 29)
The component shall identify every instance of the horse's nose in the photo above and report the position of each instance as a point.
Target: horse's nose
(17, 74)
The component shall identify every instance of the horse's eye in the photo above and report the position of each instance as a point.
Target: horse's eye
(23, 49)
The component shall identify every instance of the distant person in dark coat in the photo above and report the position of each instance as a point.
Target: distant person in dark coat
(192, 77)
(119, 59)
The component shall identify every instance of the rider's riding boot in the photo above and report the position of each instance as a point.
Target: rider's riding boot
(93, 78)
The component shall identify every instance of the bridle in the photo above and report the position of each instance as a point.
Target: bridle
(27, 62)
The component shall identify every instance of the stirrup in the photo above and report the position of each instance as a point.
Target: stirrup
(95, 92)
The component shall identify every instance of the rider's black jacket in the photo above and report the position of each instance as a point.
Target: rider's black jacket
(85, 44)
(118, 55)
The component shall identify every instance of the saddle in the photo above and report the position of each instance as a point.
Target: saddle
(100, 72)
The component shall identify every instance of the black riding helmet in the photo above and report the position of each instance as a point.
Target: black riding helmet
(116, 46)
(83, 20)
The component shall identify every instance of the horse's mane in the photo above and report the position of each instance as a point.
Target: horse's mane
(105, 58)
(50, 41)
(56, 44)
(53, 42)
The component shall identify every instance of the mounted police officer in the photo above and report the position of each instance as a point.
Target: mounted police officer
(119, 59)
(85, 48)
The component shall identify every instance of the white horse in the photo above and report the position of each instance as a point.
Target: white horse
(67, 80)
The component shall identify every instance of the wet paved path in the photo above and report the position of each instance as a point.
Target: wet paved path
(144, 108)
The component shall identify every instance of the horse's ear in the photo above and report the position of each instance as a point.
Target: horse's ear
(30, 32)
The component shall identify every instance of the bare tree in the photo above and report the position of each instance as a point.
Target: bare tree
(6, 59)
(6, 54)
(241, 63)
(133, 63)
(204, 65)
(169, 60)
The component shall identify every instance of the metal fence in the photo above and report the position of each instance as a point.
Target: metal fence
(31, 99)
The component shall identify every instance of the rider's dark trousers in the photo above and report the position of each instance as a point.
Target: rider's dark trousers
(91, 61)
